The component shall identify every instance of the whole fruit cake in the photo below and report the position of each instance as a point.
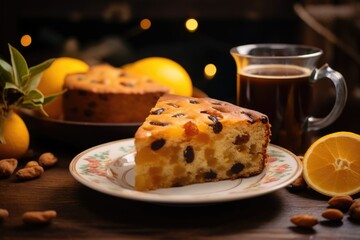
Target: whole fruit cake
(188, 140)
(106, 94)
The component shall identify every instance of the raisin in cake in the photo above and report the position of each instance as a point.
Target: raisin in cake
(193, 140)
(107, 94)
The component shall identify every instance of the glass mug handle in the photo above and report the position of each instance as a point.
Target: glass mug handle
(340, 100)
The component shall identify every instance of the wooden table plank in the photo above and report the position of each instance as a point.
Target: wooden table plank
(88, 214)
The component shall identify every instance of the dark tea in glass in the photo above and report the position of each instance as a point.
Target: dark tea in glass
(283, 93)
(277, 80)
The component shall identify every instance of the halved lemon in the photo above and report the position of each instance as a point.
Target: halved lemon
(332, 164)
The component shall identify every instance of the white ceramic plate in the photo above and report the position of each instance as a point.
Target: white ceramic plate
(109, 168)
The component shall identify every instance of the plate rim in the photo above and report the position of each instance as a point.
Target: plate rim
(175, 199)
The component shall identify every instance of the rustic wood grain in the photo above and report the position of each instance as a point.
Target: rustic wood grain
(86, 214)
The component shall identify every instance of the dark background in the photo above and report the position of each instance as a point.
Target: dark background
(108, 31)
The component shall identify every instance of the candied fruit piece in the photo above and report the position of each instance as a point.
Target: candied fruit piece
(190, 129)
(179, 171)
(241, 139)
(155, 171)
(210, 157)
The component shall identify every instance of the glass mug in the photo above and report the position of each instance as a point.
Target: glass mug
(276, 79)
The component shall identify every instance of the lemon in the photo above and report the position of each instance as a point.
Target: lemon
(332, 164)
(164, 71)
(16, 136)
(52, 81)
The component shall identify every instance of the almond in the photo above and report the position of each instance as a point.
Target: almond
(298, 184)
(29, 172)
(354, 210)
(38, 217)
(304, 220)
(333, 214)
(3, 214)
(340, 202)
(47, 160)
(7, 167)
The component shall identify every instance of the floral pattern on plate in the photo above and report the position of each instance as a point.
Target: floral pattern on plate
(109, 168)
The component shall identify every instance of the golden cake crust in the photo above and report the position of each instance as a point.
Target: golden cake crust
(107, 94)
(105, 78)
(199, 112)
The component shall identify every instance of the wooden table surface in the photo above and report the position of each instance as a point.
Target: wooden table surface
(84, 213)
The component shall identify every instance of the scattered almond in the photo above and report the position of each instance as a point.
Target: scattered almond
(3, 214)
(304, 220)
(29, 172)
(333, 214)
(38, 217)
(340, 202)
(354, 210)
(47, 159)
(7, 167)
(31, 164)
(298, 184)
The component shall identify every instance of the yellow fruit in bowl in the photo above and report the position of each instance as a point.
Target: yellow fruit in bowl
(332, 164)
(164, 71)
(16, 137)
(52, 81)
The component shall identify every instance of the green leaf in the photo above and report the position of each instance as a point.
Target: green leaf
(10, 85)
(11, 94)
(5, 73)
(6, 66)
(34, 105)
(51, 97)
(32, 83)
(34, 96)
(35, 74)
(33, 100)
(42, 110)
(18, 83)
(30, 105)
(35, 70)
(19, 65)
